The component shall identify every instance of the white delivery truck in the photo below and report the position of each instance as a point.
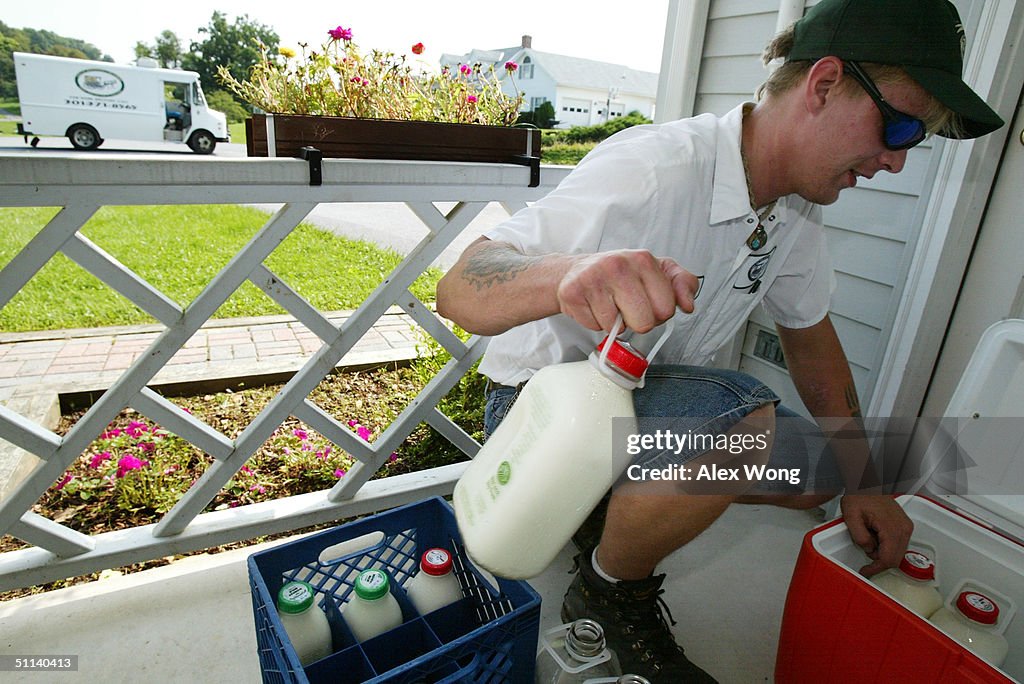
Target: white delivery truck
(88, 101)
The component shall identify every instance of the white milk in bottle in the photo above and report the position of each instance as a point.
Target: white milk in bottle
(972, 622)
(912, 583)
(305, 623)
(435, 586)
(550, 460)
(371, 609)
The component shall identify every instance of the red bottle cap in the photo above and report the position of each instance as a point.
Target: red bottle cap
(978, 607)
(625, 358)
(917, 566)
(436, 562)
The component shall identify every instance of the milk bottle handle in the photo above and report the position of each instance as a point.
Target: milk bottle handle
(619, 327)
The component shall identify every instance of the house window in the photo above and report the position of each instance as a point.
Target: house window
(526, 68)
(537, 102)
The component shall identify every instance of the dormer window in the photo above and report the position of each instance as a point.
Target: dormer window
(526, 68)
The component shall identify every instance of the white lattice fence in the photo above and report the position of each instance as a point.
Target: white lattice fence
(82, 184)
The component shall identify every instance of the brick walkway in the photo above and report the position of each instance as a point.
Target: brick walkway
(76, 360)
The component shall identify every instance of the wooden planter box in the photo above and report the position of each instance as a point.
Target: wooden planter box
(336, 136)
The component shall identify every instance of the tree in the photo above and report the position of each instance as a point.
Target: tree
(166, 50)
(235, 46)
(38, 42)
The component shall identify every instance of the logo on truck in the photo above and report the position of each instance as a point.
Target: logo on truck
(99, 82)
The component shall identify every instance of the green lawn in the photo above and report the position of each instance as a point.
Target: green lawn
(237, 131)
(179, 250)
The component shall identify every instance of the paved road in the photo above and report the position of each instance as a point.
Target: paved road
(387, 224)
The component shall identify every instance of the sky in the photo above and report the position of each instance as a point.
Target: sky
(568, 27)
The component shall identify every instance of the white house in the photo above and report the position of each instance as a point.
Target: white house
(583, 91)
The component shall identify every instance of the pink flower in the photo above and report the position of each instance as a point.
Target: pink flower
(170, 469)
(258, 488)
(340, 473)
(301, 434)
(127, 464)
(471, 99)
(146, 446)
(287, 451)
(465, 69)
(97, 460)
(417, 49)
(510, 67)
(393, 457)
(111, 434)
(246, 470)
(353, 423)
(68, 477)
(340, 33)
(364, 433)
(135, 429)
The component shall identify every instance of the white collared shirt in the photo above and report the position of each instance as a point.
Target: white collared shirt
(679, 191)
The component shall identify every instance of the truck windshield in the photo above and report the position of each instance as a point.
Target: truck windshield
(197, 94)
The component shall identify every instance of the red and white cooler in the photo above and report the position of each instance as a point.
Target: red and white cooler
(839, 627)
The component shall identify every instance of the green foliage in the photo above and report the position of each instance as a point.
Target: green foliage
(541, 117)
(340, 80)
(39, 42)
(166, 50)
(565, 154)
(464, 405)
(222, 101)
(597, 133)
(233, 46)
(179, 250)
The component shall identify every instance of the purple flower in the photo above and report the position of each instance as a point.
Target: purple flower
(301, 434)
(135, 429)
(127, 464)
(97, 460)
(340, 473)
(393, 457)
(68, 477)
(340, 33)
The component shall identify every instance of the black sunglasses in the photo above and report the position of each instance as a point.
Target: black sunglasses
(899, 131)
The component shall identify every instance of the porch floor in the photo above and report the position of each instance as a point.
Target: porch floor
(191, 621)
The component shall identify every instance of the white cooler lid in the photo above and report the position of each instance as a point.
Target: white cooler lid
(989, 401)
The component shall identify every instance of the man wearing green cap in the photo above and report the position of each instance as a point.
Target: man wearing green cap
(701, 220)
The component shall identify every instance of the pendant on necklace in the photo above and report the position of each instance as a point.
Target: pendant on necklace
(758, 238)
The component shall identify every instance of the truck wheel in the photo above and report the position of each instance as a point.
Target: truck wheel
(84, 137)
(202, 142)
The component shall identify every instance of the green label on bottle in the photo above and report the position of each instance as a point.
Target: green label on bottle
(504, 472)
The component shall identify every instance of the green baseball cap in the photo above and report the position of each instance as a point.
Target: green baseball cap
(924, 37)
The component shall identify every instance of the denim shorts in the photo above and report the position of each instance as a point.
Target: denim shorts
(711, 401)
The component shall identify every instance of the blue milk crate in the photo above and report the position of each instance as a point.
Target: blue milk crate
(490, 636)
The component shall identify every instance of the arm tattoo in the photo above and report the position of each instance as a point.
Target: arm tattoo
(490, 267)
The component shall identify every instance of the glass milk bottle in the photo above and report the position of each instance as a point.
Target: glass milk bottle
(371, 609)
(972, 622)
(912, 584)
(575, 653)
(305, 623)
(435, 586)
(550, 461)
